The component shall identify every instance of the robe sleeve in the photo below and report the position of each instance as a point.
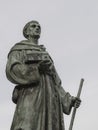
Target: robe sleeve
(18, 72)
(15, 94)
(67, 100)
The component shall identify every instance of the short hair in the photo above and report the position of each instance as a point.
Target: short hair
(26, 26)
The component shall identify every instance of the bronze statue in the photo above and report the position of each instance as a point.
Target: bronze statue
(39, 97)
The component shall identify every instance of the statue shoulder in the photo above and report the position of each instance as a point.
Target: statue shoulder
(15, 47)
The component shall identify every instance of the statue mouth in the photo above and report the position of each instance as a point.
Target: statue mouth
(37, 31)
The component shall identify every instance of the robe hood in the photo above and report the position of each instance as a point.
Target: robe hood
(26, 45)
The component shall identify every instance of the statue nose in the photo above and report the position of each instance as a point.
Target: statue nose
(37, 28)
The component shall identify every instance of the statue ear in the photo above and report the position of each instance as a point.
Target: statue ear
(27, 31)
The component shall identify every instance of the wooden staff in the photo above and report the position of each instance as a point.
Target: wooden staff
(75, 108)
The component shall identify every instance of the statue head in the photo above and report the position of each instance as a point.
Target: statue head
(32, 30)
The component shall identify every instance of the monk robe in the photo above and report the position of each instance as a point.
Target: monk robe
(40, 100)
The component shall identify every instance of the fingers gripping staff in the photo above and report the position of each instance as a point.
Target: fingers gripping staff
(75, 107)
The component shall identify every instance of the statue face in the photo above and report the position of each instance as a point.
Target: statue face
(34, 30)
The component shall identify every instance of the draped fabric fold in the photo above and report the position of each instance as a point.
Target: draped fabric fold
(40, 99)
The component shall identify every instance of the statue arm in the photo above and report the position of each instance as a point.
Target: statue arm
(67, 101)
(19, 72)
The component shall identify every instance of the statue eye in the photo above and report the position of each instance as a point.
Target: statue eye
(33, 25)
(38, 26)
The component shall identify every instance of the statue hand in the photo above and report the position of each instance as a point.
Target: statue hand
(76, 102)
(44, 65)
